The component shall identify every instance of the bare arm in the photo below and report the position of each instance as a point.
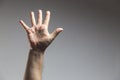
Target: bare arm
(39, 39)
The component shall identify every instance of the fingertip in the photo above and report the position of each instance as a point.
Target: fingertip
(59, 30)
(31, 13)
(39, 10)
(47, 12)
(20, 21)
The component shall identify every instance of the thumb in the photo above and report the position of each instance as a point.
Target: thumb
(56, 32)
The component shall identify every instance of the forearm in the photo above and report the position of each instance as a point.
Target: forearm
(39, 38)
(34, 65)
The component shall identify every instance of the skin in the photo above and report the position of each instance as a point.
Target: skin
(39, 39)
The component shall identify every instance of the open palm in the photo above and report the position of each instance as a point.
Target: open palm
(38, 34)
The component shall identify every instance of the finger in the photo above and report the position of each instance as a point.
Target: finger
(24, 25)
(32, 18)
(56, 32)
(39, 17)
(47, 18)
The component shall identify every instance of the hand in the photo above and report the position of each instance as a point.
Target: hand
(38, 34)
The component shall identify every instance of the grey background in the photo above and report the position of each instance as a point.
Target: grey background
(87, 49)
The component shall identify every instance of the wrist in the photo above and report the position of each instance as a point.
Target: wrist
(38, 47)
(37, 51)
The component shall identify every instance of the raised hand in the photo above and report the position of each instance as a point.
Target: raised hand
(38, 34)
